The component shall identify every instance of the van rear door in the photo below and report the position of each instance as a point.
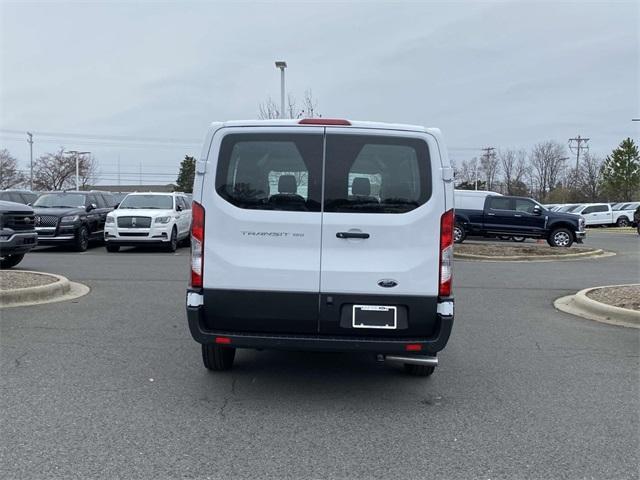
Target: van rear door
(383, 202)
(262, 193)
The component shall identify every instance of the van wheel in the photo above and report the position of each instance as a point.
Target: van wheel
(419, 370)
(9, 261)
(518, 239)
(217, 358)
(622, 222)
(560, 237)
(81, 242)
(458, 233)
(112, 248)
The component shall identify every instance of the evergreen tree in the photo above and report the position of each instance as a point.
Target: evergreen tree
(621, 172)
(186, 174)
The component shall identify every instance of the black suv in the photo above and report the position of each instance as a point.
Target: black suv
(25, 197)
(72, 217)
(17, 233)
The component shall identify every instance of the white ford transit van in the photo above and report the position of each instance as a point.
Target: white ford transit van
(322, 234)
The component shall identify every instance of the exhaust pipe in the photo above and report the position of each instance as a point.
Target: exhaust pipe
(413, 360)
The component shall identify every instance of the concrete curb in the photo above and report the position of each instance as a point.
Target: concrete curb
(532, 258)
(61, 289)
(583, 306)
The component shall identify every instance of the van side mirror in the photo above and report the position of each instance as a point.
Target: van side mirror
(178, 208)
(91, 206)
(537, 210)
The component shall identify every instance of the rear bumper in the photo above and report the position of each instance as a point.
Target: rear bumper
(135, 243)
(319, 342)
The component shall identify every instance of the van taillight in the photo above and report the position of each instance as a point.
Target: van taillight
(197, 245)
(446, 253)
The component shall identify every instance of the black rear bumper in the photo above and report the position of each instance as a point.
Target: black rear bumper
(321, 342)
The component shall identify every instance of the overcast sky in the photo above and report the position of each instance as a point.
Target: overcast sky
(503, 74)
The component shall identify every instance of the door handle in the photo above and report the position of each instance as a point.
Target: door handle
(352, 235)
(492, 214)
(516, 215)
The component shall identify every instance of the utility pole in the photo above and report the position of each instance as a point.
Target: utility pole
(576, 145)
(30, 141)
(488, 153)
(281, 65)
(77, 154)
(118, 170)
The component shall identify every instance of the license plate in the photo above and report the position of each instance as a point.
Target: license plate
(375, 316)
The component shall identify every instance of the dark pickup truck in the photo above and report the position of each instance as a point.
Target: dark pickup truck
(518, 216)
(17, 233)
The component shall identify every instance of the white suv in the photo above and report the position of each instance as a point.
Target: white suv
(149, 218)
(322, 234)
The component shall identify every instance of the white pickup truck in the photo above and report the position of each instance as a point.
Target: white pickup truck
(602, 214)
(623, 213)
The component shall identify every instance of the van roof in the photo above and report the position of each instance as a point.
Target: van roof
(353, 124)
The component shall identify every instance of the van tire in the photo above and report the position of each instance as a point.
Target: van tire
(419, 370)
(560, 237)
(217, 358)
(458, 233)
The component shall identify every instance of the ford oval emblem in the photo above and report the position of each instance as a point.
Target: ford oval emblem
(387, 283)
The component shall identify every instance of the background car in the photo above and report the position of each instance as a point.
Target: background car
(17, 233)
(149, 218)
(72, 217)
(25, 197)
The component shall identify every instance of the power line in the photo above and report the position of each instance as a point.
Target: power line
(488, 153)
(576, 145)
(105, 143)
(117, 138)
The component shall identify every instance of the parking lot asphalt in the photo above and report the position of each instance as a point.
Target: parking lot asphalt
(111, 385)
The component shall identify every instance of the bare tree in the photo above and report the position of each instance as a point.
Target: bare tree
(466, 173)
(268, 109)
(292, 107)
(53, 171)
(87, 169)
(10, 176)
(310, 105)
(547, 165)
(590, 179)
(514, 169)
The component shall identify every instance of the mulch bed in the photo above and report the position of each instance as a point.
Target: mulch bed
(11, 280)
(505, 249)
(624, 297)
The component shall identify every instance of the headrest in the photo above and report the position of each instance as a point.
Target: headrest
(287, 184)
(361, 186)
(397, 190)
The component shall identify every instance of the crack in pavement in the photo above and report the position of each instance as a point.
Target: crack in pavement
(18, 358)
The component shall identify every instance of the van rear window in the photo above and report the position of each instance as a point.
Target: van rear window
(271, 171)
(376, 174)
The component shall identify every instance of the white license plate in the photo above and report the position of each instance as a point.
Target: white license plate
(375, 316)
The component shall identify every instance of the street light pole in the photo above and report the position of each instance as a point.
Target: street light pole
(30, 141)
(77, 155)
(281, 65)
